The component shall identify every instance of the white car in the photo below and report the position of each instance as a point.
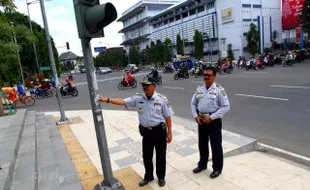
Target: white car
(107, 69)
(102, 70)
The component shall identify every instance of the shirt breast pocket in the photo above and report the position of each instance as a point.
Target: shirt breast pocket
(157, 109)
(211, 99)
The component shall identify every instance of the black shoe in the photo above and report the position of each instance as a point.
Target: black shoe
(215, 174)
(198, 169)
(161, 182)
(145, 182)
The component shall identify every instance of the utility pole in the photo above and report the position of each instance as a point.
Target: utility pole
(91, 18)
(18, 57)
(33, 43)
(63, 118)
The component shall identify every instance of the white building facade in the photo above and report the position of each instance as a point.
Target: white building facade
(135, 22)
(223, 21)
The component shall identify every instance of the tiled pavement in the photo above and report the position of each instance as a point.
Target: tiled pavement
(254, 170)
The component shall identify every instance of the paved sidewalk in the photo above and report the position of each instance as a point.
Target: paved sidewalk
(253, 170)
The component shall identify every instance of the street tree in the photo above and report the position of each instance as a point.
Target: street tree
(152, 52)
(179, 45)
(8, 5)
(198, 43)
(134, 55)
(160, 53)
(252, 39)
(167, 51)
(305, 17)
(230, 53)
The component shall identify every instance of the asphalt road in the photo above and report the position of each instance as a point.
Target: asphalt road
(272, 105)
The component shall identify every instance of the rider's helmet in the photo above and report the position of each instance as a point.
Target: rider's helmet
(152, 68)
(67, 79)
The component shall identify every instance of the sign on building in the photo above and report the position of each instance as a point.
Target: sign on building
(298, 35)
(223, 47)
(291, 11)
(227, 15)
(100, 49)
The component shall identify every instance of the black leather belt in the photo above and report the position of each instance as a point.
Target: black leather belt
(150, 127)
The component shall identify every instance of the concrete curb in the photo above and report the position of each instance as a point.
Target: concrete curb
(13, 135)
(248, 144)
(303, 160)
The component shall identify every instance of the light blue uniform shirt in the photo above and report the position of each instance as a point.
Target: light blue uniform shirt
(214, 100)
(151, 112)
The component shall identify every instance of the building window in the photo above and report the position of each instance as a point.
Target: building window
(201, 9)
(171, 20)
(178, 17)
(185, 14)
(211, 5)
(166, 22)
(192, 12)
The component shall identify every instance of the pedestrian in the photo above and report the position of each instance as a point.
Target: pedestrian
(209, 104)
(155, 127)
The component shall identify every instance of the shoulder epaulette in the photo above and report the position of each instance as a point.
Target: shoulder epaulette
(161, 95)
(219, 86)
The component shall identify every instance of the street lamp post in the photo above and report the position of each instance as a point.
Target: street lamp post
(18, 57)
(33, 43)
(63, 118)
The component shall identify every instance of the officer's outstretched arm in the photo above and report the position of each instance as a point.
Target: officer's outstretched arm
(115, 101)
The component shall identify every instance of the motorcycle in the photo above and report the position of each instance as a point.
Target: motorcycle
(44, 93)
(159, 79)
(225, 69)
(250, 65)
(181, 75)
(259, 65)
(198, 72)
(168, 70)
(287, 61)
(69, 92)
(192, 72)
(133, 83)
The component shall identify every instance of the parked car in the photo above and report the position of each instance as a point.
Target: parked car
(75, 71)
(108, 69)
(102, 70)
(83, 70)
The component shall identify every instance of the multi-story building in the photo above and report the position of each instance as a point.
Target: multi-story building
(135, 21)
(223, 21)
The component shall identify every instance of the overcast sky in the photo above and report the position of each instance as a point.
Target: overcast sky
(62, 24)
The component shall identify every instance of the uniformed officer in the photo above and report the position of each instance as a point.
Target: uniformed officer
(155, 113)
(209, 104)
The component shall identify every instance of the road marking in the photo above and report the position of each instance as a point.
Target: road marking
(262, 97)
(290, 87)
(254, 72)
(173, 88)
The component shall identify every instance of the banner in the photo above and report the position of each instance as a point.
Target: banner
(291, 11)
(223, 47)
(298, 34)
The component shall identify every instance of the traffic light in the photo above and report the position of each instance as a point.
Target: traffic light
(68, 46)
(91, 17)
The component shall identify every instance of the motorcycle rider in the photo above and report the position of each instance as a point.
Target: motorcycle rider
(128, 77)
(154, 73)
(183, 68)
(68, 85)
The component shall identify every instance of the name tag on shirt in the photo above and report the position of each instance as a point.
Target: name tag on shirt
(212, 95)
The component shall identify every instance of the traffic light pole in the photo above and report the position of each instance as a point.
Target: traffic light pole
(109, 181)
(63, 118)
